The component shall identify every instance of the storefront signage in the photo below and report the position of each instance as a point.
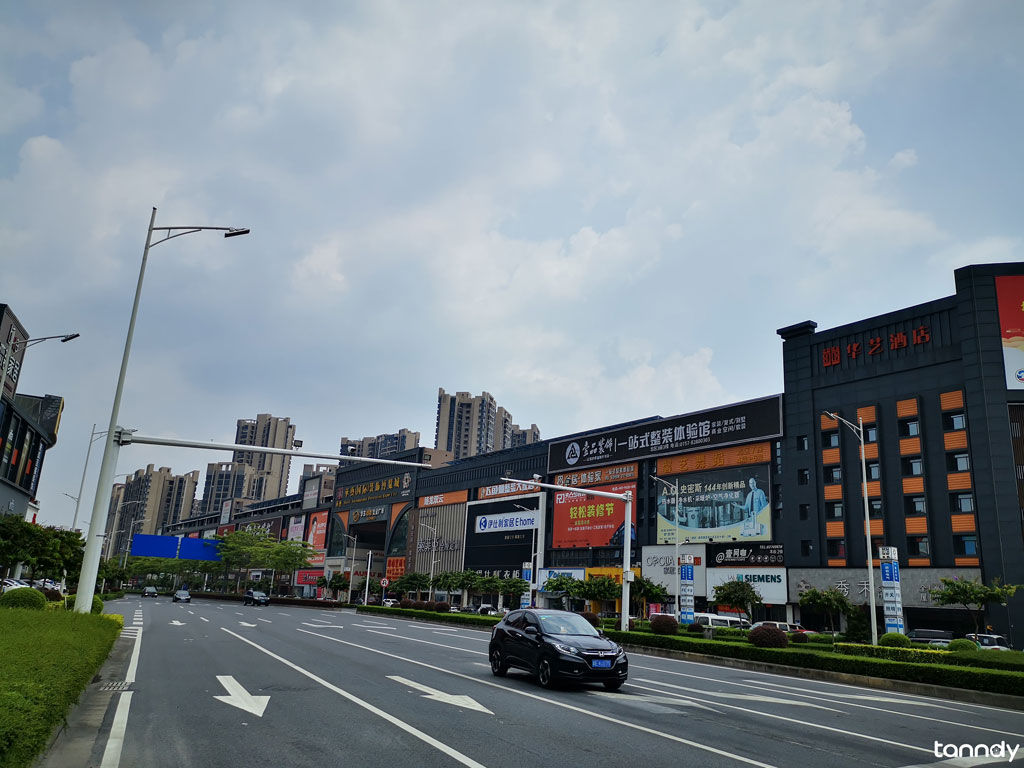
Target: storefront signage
(915, 583)
(591, 521)
(740, 423)
(296, 527)
(440, 499)
(658, 563)
(385, 489)
(721, 458)
(504, 489)
(499, 550)
(770, 583)
(549, 573)
(368, 515)
(616, 474)
(745, 554)
(507, 521)
(307, 578)
(716, 506)
(272, 527)
(395, 568)
(225, 529)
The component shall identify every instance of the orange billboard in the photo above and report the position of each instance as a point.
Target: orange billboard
(581, 520)
(318, 530)
(733, 456)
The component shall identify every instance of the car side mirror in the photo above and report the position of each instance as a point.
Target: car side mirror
(531, 630)
(600, 633)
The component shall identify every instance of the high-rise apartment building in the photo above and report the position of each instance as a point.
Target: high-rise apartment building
(266, 431)
(382, 445)
(469, 425)
(148, 501)
(225, 482)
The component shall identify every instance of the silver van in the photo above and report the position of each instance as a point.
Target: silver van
(714, 620)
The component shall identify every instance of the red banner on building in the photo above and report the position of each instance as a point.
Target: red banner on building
(395, 568)
(591, 521)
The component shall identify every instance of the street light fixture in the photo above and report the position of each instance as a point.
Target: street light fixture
(13, 345)
(433, 549)
(344, 563)
(675, 490)
(534, 557)
(858, 430)
(91, 559)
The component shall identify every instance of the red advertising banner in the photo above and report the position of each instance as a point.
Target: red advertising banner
(1010, 296)
(395, 568)
(591, 521)
(307, 577)
(221, 530)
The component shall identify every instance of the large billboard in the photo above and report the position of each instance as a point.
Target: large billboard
(770, 583)
(317, 536)
(1010, 295)
(591, 521)
(500, 550)
(729, 425)
(721, 505)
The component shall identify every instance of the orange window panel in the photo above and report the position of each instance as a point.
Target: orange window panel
(910, 446)
(836, 563)
(965, 561)
(918, 562)
(835, 529)
(876, 528)
(951, 401)
(833, 492)
(828, 423)
(876, 563)
(871, 450)
(913, 485)
(906, 408)
(867, 414)
(955, 440)
(963, 523)
(917, 524)
(874, 488)
(958, 481)
(830, 456)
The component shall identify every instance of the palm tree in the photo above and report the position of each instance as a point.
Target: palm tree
(568, 586)
(447, 581)
(467, 582)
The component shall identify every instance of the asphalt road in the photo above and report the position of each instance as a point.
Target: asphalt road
(217, 684)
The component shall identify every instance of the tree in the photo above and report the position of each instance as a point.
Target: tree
(830, 601)
(467, 582)
(738, 594)
(599, 589)
(250, 548)
(416, 582)
(643, 591)
(968, 592)
(489, 585)
(564, 585)
(447, 581)
(339, 583)
(514, 588)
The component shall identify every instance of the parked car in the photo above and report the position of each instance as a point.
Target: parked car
(927, 635)
(556, 646)
(13, 584)
(149, 592)
(991, 642)
(255, 597)
(390, 603)
(182, 596)
(939, 645)
(715, 620)
(785, 626)
(487, 610)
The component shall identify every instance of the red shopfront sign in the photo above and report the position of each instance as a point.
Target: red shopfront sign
(307, 577)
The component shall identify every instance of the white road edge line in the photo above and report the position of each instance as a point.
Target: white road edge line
(438, 745)
(563, 705)
(133, 665)
(115, 741)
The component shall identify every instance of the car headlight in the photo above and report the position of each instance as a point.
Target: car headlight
(562, 648)
(619, 651)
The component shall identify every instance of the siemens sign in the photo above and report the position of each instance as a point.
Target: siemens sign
(770, 583)
(506, 521)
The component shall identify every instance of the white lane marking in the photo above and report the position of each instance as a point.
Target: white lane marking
(555, 702)
(943, 703)
(961, 762)
(805, 723)
(322, 626)
(455, 699)
(133, 665)
(176, 623)
(439, 745)
(241, 698)
(321, 621)
(642, 697)
(239, 613)
(247, 624)
(375, 626)
(426, 642)
(206, 619)
(268, 621)
(288, 614)
(115, 741)
(193, 612)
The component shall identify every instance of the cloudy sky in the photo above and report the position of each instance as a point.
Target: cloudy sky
(594, 211)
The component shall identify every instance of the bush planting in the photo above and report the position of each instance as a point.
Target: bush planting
(26, 597)
(961, 645)
(429, 605)
(443, 607)
(418, 605)
(894, 640)
(798, 637)
(695, 628)
(405, 603)
(768, 637)
(664, 625)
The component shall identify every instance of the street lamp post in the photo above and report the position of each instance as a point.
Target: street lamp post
(131, 538)
(12, 346)
(433, 547)
(534, 558)
(627, 532)
(93, 437)
(858, 430)
(675, 490)
(344, 562)
(91, 559)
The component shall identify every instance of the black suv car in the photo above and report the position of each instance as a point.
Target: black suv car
(554, 646)
(255, 597)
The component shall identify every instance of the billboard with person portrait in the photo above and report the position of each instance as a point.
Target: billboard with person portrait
(719, 505)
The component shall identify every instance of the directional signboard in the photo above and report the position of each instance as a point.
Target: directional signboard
(686, 614)
(892, 597)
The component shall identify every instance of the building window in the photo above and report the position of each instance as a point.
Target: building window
(954, 421)
(802, 443)
(914, 505)
(830, 439)
(871, 434)
(910, 428)
(963, 502)
(874, 470)
(803, 476)
(917, 546)
(958, 462)
(805, 511)
(913, 467)
(834, 510)
(966, 546)
(833, 475)
(836, 547)
(805, 548)
(875, 507)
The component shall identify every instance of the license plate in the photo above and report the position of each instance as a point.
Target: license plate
(601, 663)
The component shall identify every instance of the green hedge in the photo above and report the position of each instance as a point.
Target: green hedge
(989, 680)
(466, 619)
(980, 659)
(48, 658)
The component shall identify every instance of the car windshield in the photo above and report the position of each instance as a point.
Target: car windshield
(565, 624)
(259, 594)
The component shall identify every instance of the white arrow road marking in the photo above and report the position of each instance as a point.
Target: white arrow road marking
(655, 699)
(455, 699)
(241, 698)
(177, 623)
(326, 626)
(246, 624)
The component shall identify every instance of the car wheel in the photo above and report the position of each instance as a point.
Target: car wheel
(545, 675)
(498, 665)
(613, 685)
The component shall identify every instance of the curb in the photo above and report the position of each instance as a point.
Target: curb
(967, 696)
